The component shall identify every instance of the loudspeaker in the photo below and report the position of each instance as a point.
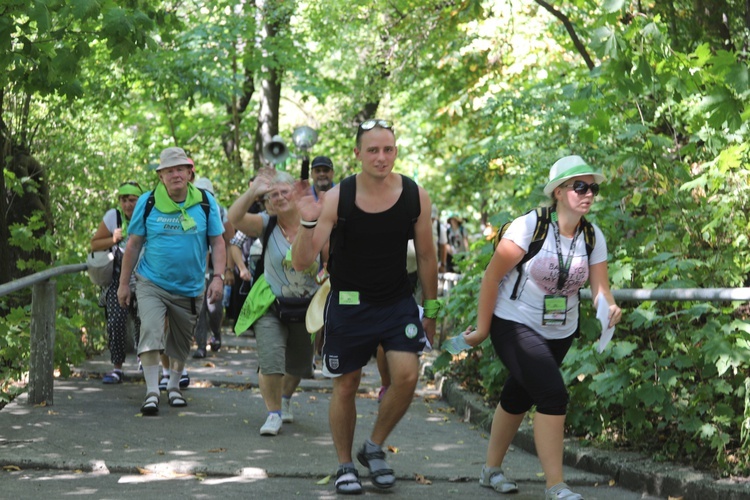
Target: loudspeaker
(304, 137)
(275, 151)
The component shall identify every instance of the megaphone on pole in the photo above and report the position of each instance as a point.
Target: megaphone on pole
(275, 151)
(304, 137)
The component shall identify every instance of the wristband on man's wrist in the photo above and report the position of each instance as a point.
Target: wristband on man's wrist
(431, 308)
(309, 224)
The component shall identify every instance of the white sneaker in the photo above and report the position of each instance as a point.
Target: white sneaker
(272, 425)
(286, 411)
(493, 477)
(560, 491)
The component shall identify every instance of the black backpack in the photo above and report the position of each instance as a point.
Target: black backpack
(543, 219)
(347, 195)
(259, 267)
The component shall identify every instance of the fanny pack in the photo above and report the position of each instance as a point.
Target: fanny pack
(291, 309)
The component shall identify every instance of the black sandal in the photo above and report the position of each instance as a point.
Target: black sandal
(347, 481)
(151, 404)
(365, 457)
(176, 399)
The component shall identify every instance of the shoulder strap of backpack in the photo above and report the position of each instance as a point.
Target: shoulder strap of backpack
(589, 235)
(119, 218)
(543, 216)
(347, 194)
(206, 206)
(260, 266)
(412, 202)
(149, 206)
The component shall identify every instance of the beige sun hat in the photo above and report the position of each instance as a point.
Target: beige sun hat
(173, 157)
(568, 167)
(314, 316)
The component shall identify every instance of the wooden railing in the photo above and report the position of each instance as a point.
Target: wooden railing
(42, 341)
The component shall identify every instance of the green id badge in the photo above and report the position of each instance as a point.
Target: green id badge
(555, 310)
(187, 224)
(349, 298)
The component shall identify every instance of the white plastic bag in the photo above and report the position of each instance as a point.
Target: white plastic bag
(101, 266)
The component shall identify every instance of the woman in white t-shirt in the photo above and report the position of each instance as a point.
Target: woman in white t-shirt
(113, 233)
(532, 332)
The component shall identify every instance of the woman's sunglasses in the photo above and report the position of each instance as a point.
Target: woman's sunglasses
(581, 188)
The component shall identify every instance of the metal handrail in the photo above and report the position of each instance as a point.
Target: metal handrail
(677, 294)
(40, 277)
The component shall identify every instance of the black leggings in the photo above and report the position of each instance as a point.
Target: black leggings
(534, 366)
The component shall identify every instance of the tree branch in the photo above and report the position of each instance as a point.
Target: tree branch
(571, 31)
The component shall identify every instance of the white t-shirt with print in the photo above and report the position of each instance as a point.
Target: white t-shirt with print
(540, 274)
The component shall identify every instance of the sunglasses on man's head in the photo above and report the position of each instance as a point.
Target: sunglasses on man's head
(131, 183)
(581, 188)
(370, 124)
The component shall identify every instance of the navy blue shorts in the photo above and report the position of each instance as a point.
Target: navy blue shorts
(354, 332)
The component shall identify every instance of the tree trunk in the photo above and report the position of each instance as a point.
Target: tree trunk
(15, 208)
(231, 138)
(276, 16)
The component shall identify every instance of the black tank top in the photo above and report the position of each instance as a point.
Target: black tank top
(372, 257)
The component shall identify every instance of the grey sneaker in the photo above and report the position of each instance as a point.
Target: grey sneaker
(287, 416)
(272, 425)
(560, 491)
(493, 477)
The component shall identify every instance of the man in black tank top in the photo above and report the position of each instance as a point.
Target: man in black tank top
(370, 303)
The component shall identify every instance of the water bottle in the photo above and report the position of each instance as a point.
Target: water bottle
(455, 345)
(227, 296)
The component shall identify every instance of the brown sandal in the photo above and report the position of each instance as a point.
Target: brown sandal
(150, 404)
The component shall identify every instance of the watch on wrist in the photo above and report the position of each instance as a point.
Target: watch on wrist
(219, 276)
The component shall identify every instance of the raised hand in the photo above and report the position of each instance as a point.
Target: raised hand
(308, 207)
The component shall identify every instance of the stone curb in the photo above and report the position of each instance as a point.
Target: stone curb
(629, 470)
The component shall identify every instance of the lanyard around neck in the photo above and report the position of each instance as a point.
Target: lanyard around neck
(564, 267)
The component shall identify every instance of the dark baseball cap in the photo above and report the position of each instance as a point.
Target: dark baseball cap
(321, 161)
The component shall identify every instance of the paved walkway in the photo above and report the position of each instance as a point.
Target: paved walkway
(92, 442)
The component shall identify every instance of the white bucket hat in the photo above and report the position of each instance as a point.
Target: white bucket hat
(568, 167)
(204, 183)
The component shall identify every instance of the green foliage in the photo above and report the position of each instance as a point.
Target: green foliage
(670, 132)
(14, 351)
